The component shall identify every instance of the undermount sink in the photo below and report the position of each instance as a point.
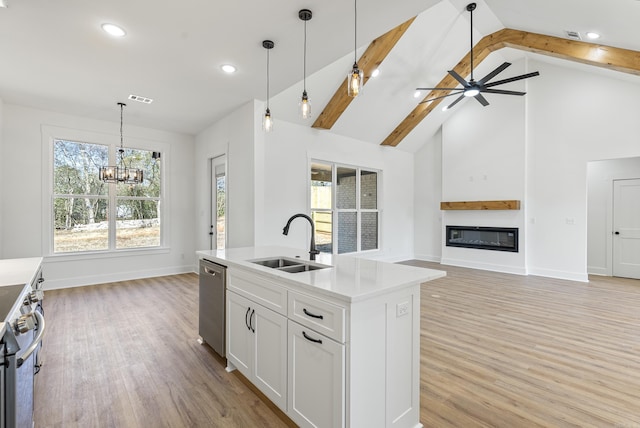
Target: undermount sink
(289, 265)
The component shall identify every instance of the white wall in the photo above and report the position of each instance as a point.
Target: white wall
(568, 118)
(574, 117)
(600, 177)
(234, 136)
(22, 224)
(427, 198)
(2, 205)
(483, 158)
(288, 151)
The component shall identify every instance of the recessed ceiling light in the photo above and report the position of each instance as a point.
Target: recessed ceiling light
(416, 94)
(445, 108)
(228, 68)
(375, 73)
(113, 30)
(593, 35)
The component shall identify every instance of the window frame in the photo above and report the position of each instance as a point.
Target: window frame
(52, 133)
(334, 211)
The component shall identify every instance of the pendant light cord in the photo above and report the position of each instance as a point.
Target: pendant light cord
(355, 31)
(268, 79)
(304, 61)
(471, 38)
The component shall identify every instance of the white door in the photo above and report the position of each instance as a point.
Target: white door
(626, 228)
(239, 335)
(316, 379)
(270, 359)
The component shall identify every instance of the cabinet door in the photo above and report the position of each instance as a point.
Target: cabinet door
(270, 359)
(316, 379)
(239, 335)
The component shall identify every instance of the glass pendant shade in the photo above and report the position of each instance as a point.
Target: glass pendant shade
(355, 79)
(305, 106)
(267, 121)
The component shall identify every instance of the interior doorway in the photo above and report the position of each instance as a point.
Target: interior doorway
(218, 231)
(626, 228)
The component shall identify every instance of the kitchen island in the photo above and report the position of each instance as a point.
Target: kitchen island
(335, 344)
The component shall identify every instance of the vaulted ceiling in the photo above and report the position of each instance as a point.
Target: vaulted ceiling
(56, 57)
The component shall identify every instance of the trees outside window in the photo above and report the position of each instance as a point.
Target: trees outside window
(90, 215)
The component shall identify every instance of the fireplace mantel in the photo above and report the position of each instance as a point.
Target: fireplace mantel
(481, 205)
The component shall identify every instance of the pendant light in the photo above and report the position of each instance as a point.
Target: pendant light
(305, 105)
(120, 173)
(355, 78)
(267, 121)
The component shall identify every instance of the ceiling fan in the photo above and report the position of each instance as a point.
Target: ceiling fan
(474, 88)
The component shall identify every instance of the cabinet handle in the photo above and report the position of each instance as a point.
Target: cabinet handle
(309, 314)
(311, 339)
(246, 322)
(253, 312)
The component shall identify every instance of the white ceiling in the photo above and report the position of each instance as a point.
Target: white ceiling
(55, 56)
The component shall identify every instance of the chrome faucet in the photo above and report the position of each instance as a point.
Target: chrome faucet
(312, 250)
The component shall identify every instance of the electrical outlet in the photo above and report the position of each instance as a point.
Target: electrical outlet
(402, 309)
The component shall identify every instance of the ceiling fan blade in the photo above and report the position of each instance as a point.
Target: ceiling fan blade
(460, 98)
(512, 79)
(494, 73)
(482, 100)
(459, 78)
(443, 96)
(437, 89)
(503, 92)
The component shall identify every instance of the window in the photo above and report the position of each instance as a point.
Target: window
(90, 215)
(351, 205)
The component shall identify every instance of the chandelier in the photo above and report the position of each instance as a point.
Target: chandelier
(120, 173)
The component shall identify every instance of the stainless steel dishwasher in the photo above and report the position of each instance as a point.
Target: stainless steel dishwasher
(211, 320)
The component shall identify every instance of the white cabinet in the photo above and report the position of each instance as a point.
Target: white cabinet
(316, 378)
(257, 346)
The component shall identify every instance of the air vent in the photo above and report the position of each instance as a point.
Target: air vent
(140, 99)
(573, 35)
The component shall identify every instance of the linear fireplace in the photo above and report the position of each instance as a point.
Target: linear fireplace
(484, 238)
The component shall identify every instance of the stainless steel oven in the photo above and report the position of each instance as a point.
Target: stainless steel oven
(24, 328)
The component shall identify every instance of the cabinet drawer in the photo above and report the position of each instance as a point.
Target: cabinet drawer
(259, 289)
(319, 315)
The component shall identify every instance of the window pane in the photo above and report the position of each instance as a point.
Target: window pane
(324, 227)
(347, 231)
(75, 168)
(321, 182)
(369, 231)
(221, 209)
(368, 190)
(346, 188)
(150, 165)
(137, 224)
(80, 224)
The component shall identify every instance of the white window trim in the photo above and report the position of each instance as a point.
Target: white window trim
(334, 210)
(50, 133)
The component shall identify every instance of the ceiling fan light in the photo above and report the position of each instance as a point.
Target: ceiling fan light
(471, 92)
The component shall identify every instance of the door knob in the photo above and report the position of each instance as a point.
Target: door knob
(616, 232)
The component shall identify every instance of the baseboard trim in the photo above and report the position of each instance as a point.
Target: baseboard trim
(558, 274)
(81, 281)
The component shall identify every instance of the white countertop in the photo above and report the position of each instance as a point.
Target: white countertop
(17, 272)
(349, 278)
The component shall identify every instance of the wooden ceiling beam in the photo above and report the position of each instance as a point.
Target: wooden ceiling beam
(623, 60)
(371, 59)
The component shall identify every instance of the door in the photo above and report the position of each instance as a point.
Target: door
(316, 379)
(626, 228)
(239, 334)
(218, 232)
(270, 361)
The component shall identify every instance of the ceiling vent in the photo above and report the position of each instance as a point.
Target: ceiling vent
(573, 35)
(140, 99)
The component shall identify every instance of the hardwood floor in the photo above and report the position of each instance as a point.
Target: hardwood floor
(497, 350)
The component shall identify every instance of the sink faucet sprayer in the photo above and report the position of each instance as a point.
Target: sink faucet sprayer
(312, 250)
